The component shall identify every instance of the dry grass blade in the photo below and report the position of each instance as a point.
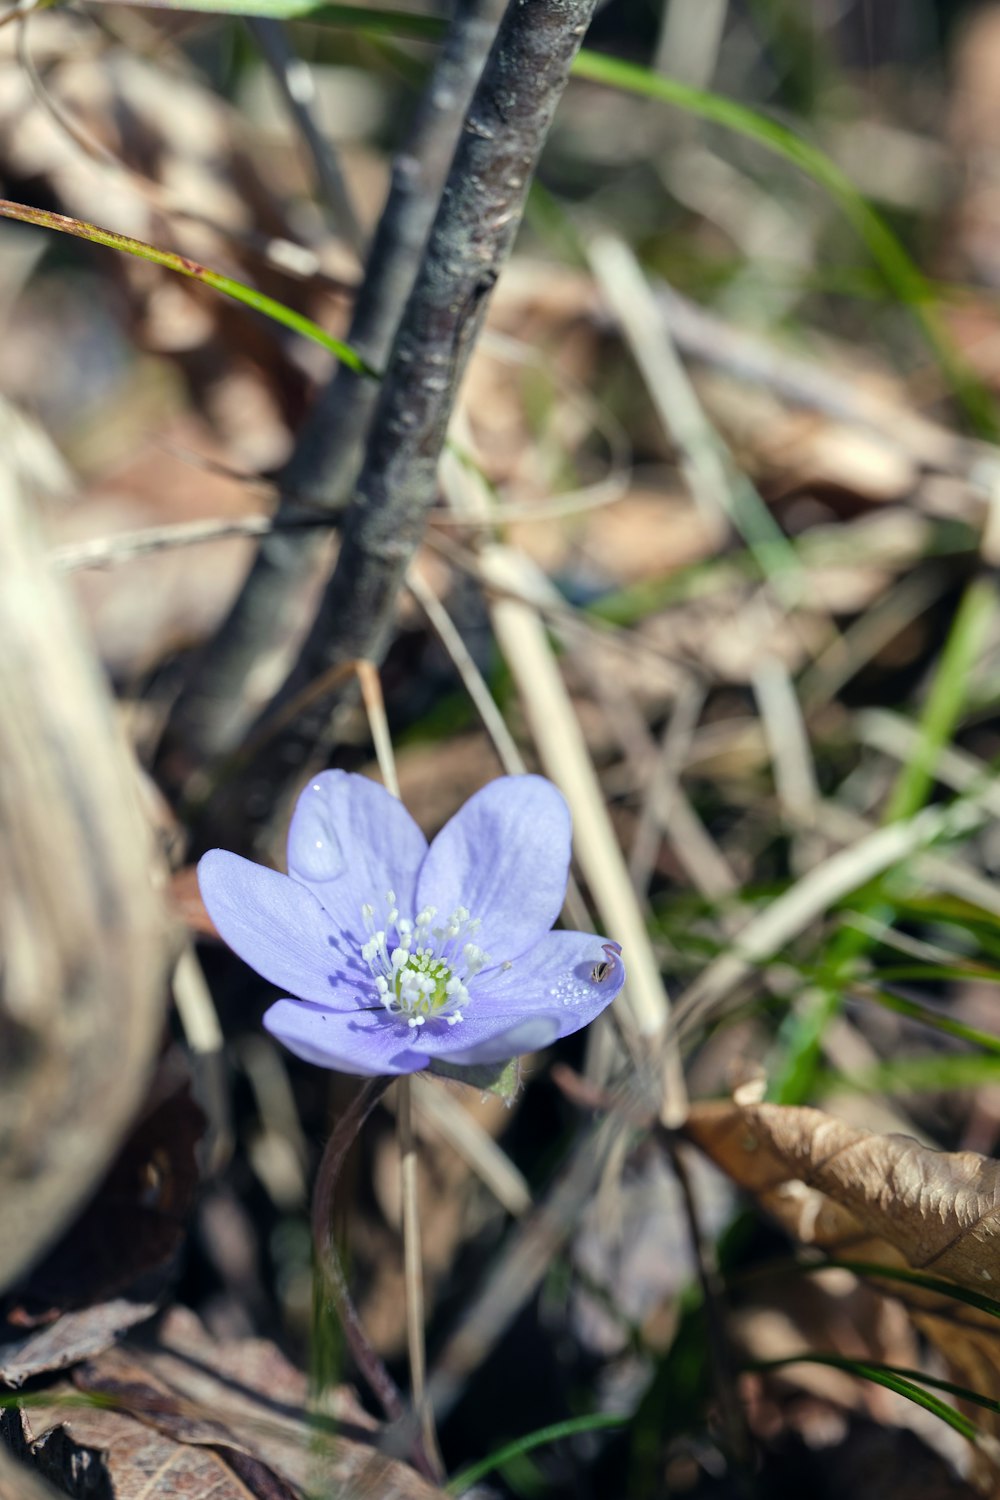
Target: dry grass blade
(525, 645)
(378, 723)
(812, 896)
(896, 736)
(518, 591)
(472, 679)
(667, 811)
(443, 1114)
(882, 623)
(203, 1033)
(788, 740)
(723, 493)
(413, 1272)
(634, 305)
(84, 933)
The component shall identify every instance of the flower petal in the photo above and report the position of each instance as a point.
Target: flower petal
(366, 1043)
(559, 986)
(280, 929)
(351, 841)
(546, 994)
(504, 856)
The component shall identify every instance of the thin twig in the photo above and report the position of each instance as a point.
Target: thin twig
(108, 551)
(123, 546)
(442, 1115)
(298, 89)
(472, 679)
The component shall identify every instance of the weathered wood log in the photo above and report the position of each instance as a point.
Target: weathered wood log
(83, 938)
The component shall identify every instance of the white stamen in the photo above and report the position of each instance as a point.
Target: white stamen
(421, 971)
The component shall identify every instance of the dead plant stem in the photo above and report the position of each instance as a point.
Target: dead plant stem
(414, 1272)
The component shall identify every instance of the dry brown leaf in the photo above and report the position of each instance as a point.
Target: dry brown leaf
(137, 1460)
(939, 1209)
(203, 1418)
(883, 1199)
(250, 1386)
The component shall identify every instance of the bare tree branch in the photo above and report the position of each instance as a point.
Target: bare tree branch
(211, 712)
(474, 229)
(295, 81)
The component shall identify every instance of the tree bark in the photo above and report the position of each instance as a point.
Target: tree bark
(474, 229)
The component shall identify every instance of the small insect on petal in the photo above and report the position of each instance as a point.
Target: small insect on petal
(606, 966)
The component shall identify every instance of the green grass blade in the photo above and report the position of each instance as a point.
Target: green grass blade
(939, 721)
(902, 274)
(376, 20)
(873, 1270)
(903, 1382)
(947, 698)
(913, 1009)
(472, 1475)
(930, 1073)
(184, 266)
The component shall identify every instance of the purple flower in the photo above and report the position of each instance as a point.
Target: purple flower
(398, 955)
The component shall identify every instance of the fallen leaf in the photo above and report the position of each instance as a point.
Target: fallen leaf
(73, 1448)
(185, 1414)
(885, 1200)
(939, 1209)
